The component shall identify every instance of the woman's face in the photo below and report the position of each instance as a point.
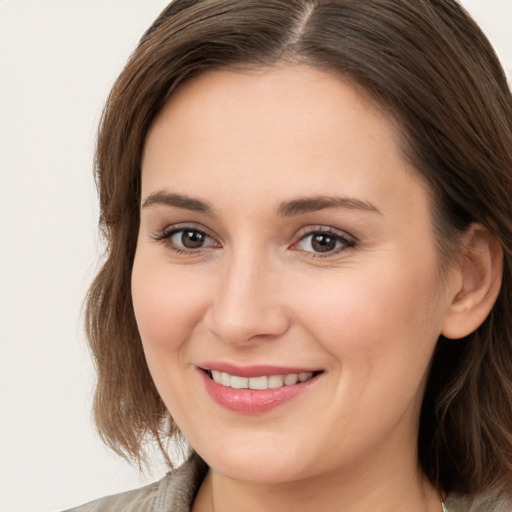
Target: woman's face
(283, 236)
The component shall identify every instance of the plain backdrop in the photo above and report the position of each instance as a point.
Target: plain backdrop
(58, 59)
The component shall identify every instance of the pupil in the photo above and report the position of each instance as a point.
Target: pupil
(192, 239)
(323, 243)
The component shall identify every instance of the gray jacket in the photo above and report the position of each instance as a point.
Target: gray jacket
(176, 491)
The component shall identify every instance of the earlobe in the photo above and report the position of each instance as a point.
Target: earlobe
(480, 270)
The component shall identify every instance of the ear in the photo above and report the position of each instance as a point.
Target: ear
(479, 270)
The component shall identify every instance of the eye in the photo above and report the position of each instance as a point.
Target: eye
(189, 238)
(186, 239)
(324, 242)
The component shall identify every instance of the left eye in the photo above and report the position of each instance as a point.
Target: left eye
(322, 242)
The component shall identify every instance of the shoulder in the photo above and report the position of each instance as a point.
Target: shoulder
(142, 500)
(175, 491)
(487, 503)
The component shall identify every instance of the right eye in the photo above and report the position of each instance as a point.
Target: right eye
(186, 239)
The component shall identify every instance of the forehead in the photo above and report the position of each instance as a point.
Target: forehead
(293, 92)
(280, 131)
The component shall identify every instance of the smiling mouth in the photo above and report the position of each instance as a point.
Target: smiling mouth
(260, 383)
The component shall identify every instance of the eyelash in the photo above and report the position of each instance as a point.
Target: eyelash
(344, 241)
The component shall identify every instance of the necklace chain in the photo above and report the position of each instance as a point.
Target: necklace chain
(211, 488)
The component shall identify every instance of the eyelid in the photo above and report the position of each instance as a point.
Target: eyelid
(324, 228)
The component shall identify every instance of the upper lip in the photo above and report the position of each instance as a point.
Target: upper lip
(255, 370)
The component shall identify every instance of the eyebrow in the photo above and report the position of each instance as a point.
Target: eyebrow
(178, 201)
(316, 203)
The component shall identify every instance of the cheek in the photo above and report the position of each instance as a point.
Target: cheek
(168, 308)
(167, 305)
(381, 338)
(377, 322)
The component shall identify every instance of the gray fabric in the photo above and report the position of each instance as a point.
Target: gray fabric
(177, 490)
(480, 504)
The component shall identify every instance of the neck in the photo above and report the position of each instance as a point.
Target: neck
(394, 484)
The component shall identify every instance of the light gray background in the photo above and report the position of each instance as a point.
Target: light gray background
(58, 59)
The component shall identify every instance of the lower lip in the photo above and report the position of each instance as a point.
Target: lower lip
(252, 401)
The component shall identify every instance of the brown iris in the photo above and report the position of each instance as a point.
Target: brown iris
(322, 242)
(192, 239)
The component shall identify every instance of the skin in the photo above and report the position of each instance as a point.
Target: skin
(368, 313)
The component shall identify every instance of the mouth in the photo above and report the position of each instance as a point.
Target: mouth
(262, 382)
(256, 389)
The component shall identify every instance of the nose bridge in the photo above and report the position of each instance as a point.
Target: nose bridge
(246, 304)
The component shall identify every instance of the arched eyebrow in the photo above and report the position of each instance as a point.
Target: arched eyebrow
(177, 201)
(312, 204)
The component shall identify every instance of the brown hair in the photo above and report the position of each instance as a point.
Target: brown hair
(429, 65)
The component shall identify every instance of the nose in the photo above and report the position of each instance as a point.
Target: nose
(246, 304)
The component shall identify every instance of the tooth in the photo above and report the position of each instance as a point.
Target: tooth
(239, 382)
(275, 381)
(258, 383)
(291, 379)
(305, 376)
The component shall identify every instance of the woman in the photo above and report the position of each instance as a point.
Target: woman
(307, 208)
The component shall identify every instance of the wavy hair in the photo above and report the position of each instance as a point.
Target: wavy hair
(430, 67)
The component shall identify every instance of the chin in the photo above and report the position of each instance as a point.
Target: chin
(257, 469)
(259, 461)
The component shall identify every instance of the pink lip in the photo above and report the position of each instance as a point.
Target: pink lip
(255, 370)
(251, 401)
